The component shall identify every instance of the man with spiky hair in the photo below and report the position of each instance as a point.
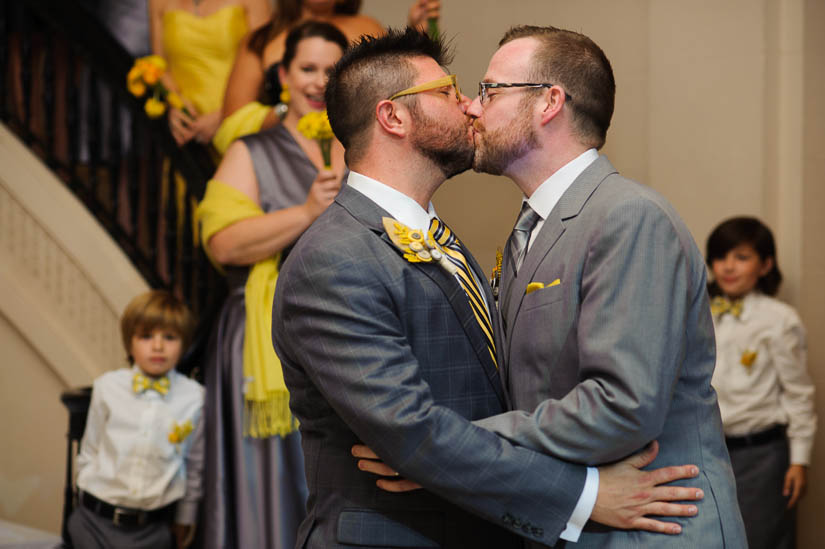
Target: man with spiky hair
(384, 328)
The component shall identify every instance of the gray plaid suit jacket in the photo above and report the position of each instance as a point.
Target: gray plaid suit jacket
(380, 350)
(620, 351)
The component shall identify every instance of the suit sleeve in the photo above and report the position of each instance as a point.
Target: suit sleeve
(635, 296)
(339, 320)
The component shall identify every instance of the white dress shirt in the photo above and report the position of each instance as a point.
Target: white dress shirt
(776, 388)
(548, 194)
(409, 212)
(126, 457)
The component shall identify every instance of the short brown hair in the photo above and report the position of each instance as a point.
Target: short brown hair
(370, 71)
(156, 309)
(574, 62)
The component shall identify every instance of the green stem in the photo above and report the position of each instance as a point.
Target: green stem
(326, 152)
(432, 27)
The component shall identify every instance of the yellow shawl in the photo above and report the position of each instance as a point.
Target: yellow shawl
(244, 121)
(266, 399)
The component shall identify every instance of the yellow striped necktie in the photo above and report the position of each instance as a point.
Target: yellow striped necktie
(141, 382)
(452, 248)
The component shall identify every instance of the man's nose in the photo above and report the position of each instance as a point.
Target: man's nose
(474, 108)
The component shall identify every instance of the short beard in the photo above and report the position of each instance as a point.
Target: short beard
(448, 148)
(496, 150)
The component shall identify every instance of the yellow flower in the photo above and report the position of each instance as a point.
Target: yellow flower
(136, 87)
(174, 100)
(155, 61)
(151, 75)
(180, 431)
(315, 125)
(748, 358)
(154, 108)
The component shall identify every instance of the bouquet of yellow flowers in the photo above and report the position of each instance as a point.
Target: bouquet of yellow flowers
(145, 76)
(315, 125)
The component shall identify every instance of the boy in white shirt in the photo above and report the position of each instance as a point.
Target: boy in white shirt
(141, 456)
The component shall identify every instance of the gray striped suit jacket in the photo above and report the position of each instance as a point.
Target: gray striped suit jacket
(620, 351)
(380, 350)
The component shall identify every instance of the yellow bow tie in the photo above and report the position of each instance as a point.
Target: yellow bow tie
(140, 383)
(720, 305)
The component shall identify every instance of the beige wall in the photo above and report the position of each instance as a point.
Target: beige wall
(719, 107)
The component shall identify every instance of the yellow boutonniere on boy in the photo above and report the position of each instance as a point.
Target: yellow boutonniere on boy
(180, 431)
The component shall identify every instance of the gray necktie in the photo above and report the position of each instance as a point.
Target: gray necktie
(527, 219)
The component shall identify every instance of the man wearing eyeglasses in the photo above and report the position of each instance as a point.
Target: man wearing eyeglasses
(388, 335)
(606, 318)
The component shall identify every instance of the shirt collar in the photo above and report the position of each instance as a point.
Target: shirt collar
(548, 194)
(400, 206)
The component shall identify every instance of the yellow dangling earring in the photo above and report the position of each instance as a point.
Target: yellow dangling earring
(284, 97)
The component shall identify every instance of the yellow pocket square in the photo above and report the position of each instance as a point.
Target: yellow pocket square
(533, 286)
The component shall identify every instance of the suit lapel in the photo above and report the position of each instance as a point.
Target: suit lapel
(370, 214)
(569, 206)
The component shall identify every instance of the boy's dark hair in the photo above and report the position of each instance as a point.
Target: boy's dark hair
(156, 309)
(744, 230)
(311, 29)
(370, 71)
(574, 62)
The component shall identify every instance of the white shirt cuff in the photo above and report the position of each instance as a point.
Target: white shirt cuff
(583, 509)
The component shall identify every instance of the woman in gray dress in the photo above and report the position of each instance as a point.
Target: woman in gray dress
(267, 190)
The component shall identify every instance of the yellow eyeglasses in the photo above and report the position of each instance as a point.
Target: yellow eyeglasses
(449, 80)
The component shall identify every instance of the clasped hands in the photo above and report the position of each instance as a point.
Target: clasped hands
(627, 495)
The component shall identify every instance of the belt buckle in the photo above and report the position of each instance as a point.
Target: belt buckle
(116, 517)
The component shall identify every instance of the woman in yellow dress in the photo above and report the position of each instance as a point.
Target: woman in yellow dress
(199, 40)
(254, 86)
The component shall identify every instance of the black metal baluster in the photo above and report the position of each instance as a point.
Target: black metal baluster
(49, 99)
(73, 121)
(93, 122)
(133, 165)
(114, 160)
(6, 29)
(153, 199)
(171, 240)
(186, 256)
(26, 63)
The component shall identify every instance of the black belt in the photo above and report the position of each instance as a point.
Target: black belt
(124, 516)
(777, 432)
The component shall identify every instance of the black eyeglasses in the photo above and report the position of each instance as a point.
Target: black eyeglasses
(484, 86)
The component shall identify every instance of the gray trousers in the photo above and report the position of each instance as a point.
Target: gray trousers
(90, 531)
(760, 473)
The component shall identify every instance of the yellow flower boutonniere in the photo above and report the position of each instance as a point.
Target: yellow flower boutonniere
(315, 125)
(495, 279)
(418, 247)
(180, 431)
(145, 76)
(748, 358)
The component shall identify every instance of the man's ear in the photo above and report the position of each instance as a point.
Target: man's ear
(392, 118)
(551, 103)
